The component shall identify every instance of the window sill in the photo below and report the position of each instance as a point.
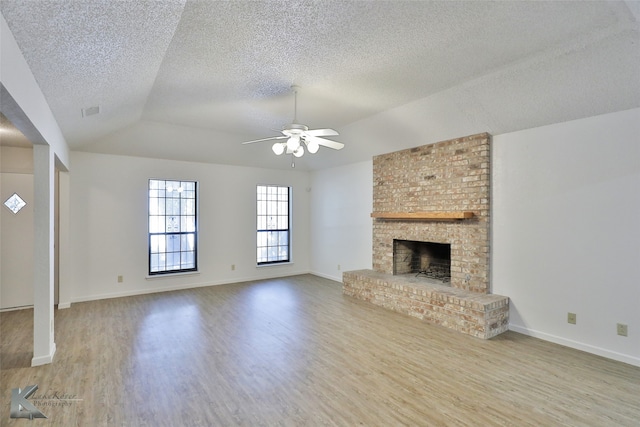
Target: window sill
(277, 264)
(167, 275)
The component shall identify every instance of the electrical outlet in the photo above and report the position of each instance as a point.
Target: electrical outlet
(233, 267)
(571, 318)
(120, 279)
(622, 329)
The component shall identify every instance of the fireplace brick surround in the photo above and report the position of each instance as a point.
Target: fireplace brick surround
(448, 176)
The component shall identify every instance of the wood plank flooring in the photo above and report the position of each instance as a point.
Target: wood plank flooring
(296, 352)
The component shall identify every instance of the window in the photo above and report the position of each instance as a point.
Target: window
(273, 224)
(173, 227)
(15, 203)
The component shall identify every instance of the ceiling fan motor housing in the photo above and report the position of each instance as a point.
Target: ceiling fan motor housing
(294, 129)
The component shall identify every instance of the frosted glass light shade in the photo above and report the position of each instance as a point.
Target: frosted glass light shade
(278, 148)
(293, 143)
(299, 151)
(313, 147)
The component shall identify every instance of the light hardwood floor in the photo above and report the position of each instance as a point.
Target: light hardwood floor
(295, 351)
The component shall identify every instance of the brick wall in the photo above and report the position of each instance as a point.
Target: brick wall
(446, 176)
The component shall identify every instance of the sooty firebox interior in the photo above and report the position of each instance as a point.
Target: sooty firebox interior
(423, 259)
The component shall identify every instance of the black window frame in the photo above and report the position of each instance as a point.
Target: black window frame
(185, 226)
(276, 229)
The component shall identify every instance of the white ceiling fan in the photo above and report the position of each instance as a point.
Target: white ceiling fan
(298, 136)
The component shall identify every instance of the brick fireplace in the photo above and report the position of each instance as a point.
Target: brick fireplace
(430, 201)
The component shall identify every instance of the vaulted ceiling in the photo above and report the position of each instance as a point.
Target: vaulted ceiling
(191, 80)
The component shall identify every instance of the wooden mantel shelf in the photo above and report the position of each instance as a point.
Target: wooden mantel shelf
(422, 215)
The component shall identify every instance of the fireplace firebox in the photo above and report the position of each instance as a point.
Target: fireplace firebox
(422, 259)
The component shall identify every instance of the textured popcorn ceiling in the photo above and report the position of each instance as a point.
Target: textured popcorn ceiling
(192, 79)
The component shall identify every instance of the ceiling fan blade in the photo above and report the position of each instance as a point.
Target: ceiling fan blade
(322, 132)
(264, 139)
(326, 142)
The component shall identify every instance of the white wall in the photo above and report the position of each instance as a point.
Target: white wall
(108, 224)
(566, 234)
(16, 160)
(341, 227)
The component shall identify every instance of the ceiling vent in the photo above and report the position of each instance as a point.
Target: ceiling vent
(90, 111)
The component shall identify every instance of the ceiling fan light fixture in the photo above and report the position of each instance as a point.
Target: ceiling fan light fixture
(297, 137)
(293, 143)
(312, 147)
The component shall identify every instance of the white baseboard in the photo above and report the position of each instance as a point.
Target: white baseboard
(183, 286)
(620, 357)
(44, 360)
(61, 305)
(327, 276)
(22, 307)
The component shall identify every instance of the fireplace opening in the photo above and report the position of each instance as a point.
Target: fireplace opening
(422, 259)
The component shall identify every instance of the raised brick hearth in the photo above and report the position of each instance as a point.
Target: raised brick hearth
(473, 313)
(450, 176)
